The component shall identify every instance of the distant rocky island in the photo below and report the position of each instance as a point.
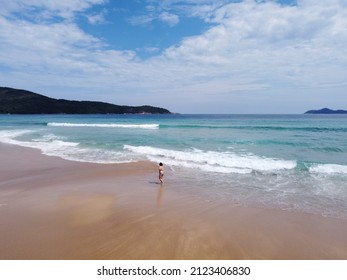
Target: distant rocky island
(326, 111)
(18, 101)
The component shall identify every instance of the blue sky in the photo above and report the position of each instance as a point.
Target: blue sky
(190, 56)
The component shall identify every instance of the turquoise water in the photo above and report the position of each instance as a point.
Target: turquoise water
(293, 162)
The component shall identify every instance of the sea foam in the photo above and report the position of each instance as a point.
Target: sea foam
(52, 145)
(105, 125)
(329, 169)
(212, 161)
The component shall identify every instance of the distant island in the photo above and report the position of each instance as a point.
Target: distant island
(18, 101)
(326, 111)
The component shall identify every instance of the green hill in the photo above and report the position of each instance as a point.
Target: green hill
(17, 101)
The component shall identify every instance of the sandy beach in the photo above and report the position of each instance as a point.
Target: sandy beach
(51, 208)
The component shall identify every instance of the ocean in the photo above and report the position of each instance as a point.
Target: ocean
(291, 162)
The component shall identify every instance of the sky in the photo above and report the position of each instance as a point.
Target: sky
(189, 56)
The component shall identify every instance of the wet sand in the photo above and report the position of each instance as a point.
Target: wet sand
(56, 209)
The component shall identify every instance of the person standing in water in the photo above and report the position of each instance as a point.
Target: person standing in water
(161, 172)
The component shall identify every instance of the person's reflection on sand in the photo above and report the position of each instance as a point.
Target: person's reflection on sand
(160, 195)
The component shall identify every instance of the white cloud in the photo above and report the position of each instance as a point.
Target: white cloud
(141, 19)
(39, 10)
(262, 48)
(57, 54)
(269, 37)
(96, 18)
(153, 13)
(168, 18)
(263, 53)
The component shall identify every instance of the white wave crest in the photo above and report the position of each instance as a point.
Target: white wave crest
(213, 161)
(52, 145)
(106, 125)
(9, 136)
(329, 169)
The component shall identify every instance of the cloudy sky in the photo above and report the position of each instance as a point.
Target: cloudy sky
(190, 56)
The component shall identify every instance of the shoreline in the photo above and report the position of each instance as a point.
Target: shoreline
(51, 208)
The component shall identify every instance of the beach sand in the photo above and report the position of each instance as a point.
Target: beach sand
(51, 208)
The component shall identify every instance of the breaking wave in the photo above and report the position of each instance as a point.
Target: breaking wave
(105, 125)
(211, 161)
